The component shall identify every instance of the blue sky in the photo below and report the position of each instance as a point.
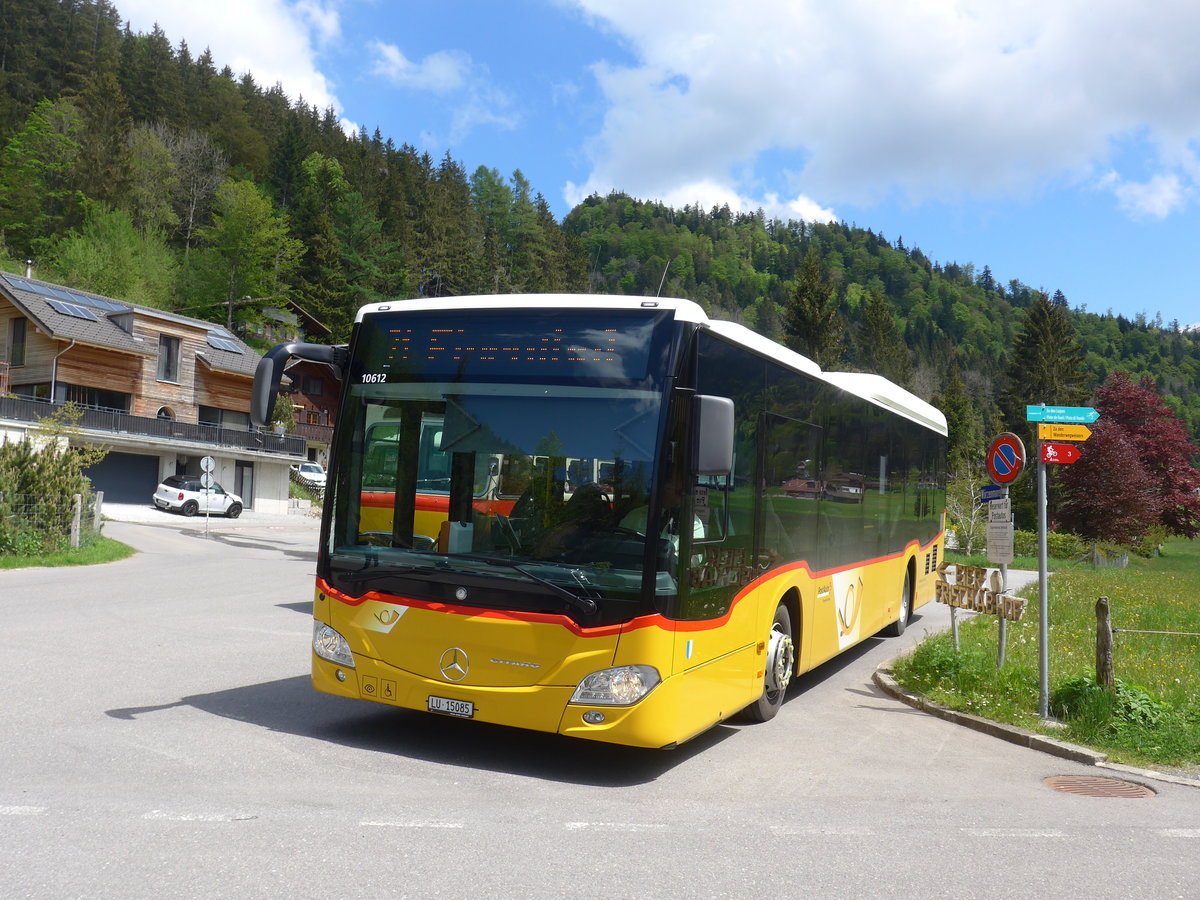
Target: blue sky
(1054, 141)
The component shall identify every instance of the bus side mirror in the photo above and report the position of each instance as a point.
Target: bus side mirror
(712, 452)
(270, 372)
(266, 386)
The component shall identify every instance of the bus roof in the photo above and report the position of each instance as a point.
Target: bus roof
(873, 388)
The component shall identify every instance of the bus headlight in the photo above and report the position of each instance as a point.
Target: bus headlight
(330, 645)
(621, 686)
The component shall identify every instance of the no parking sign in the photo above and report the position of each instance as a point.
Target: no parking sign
(1006, 459)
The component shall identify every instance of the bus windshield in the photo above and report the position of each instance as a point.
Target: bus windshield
(480, 464)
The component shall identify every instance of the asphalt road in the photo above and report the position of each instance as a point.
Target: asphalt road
(160, 738)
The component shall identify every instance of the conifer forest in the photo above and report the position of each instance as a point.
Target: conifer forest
(139, 167)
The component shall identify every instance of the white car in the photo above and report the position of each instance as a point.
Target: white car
(311, 474)
(184, 494)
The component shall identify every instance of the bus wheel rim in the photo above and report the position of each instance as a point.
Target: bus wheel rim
(781, 658)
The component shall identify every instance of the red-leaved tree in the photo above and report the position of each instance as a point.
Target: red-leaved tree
(1108, 495)
(1136, 470)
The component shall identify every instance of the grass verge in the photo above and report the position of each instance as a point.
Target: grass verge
(94, 551)
(1152, 719)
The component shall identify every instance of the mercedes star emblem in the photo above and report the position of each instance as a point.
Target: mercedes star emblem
(454, 664)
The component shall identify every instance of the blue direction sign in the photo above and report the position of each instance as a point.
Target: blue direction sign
(1082, 415)
(990, 492)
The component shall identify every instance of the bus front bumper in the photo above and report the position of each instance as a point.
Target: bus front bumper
(653, 722)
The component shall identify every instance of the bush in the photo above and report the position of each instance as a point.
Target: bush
(1081, 699)
(37, 486)
(1059, 544)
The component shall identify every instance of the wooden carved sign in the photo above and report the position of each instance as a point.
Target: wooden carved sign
(972, 589)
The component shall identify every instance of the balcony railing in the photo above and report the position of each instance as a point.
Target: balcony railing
(24, 409)
(318, 434)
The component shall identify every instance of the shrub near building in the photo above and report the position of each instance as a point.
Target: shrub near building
(39, 478)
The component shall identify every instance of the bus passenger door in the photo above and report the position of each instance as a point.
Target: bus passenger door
(789, 502)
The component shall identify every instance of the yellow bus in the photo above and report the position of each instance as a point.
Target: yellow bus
(611, 518)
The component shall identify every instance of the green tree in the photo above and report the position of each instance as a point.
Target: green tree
(36, 196)
(320, 279)
(491, 200)
(153, 183)
(1045, 365)
(253, 245)
(39, 478)
(965, 446)
(528, 249)
(373, 263)
(884, 351)
(109, 256)
(447, 254)
(101, 170)
(811, 315)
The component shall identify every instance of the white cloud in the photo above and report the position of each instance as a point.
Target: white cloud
(272, 39)
(473, 99)
(442, 72)
(1154, 199)
(925, 99)
(324, 19)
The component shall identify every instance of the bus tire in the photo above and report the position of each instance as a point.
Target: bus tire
(897, 628)
(778, 668)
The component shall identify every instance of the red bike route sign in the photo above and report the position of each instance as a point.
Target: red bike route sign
(1059, 453)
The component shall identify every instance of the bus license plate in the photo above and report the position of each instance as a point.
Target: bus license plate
(464, 709)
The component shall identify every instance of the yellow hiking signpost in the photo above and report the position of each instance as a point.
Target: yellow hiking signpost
(1054, 431)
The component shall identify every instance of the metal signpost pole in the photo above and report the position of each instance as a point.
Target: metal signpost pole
(207, 464)
(1043, 597)
(1057, 423)
(1003, 638)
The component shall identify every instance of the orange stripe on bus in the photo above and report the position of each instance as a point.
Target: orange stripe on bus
(653, 620)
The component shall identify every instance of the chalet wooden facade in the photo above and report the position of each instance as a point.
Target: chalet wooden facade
(175, 389)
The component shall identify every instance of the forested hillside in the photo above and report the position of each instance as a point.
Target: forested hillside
(949, 317)
(138, 168)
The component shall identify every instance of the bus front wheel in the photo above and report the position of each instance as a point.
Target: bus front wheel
(897, 628)
(778, 667)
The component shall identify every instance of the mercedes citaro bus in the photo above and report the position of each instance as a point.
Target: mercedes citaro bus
(606, 517)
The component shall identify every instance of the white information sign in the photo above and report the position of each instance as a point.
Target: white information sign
(207, 464)
(1000, 532)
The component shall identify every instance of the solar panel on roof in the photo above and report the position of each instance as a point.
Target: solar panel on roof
(73, 309)
(20, 283)
(64, 296)
(221, 343)
(97, 302)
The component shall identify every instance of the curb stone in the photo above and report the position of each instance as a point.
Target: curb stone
(1016, 735)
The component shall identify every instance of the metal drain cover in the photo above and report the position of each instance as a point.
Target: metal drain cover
(1092, 786)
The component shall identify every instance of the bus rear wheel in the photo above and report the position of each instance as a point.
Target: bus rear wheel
(779, 666)
(897, 628)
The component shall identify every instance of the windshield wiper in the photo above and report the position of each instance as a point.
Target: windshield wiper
(579, 601)
(376, 572)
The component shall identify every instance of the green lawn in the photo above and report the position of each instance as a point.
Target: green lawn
(92, 552)
(1154, 717)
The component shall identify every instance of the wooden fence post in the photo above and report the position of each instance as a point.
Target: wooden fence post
(1105, 677)
(76, 510)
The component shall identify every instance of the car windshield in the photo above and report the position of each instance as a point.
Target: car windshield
(527, 493)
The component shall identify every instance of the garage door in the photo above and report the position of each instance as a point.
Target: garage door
(125, 477)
